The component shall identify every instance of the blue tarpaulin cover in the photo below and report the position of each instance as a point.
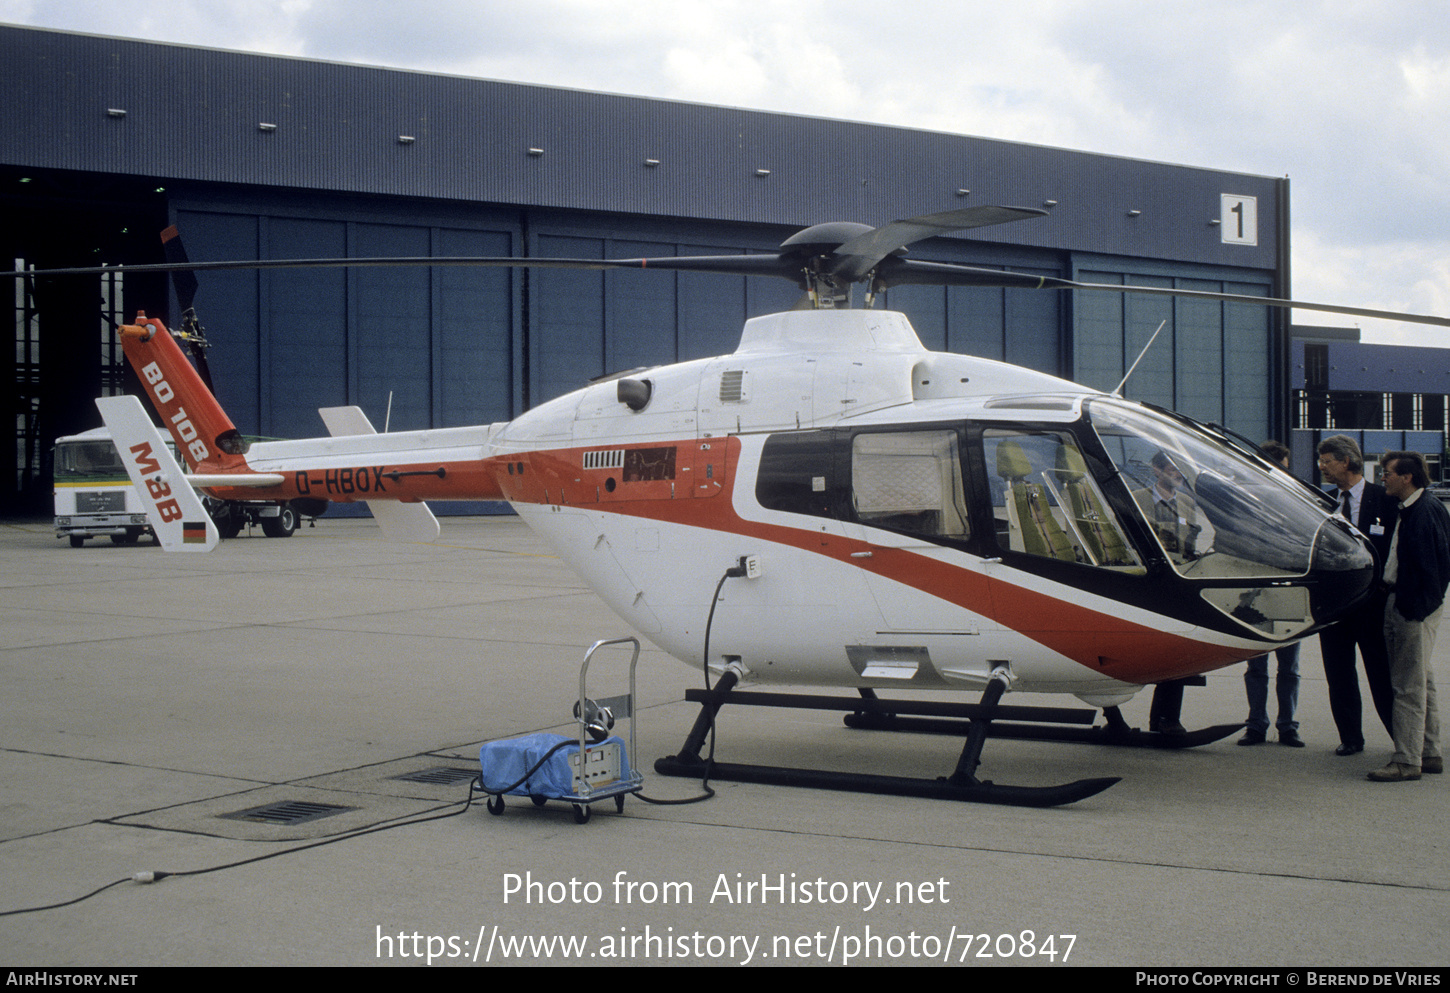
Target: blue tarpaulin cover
(504, 762)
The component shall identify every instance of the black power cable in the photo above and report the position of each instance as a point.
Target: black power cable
(150, 876)
(476, 786)
(736, 571)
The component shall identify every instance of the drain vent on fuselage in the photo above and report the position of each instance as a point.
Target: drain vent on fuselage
(287, 812)
(440, 775)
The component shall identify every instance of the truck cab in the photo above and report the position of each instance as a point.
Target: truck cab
(93, 495)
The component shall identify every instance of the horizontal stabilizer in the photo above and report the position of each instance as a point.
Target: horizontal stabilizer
(398, 521)
(247, 480)
(172, 506)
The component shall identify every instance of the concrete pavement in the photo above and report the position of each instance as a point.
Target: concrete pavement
(145, 696)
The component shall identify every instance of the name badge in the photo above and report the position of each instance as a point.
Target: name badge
(1377, 529)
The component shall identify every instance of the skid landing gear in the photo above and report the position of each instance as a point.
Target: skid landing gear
(1117, 732)
(962, 784)
(1033, 723)
(873, 713)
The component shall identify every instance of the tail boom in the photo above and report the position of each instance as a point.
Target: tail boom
(405, 466)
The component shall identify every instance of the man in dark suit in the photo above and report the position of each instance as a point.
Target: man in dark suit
(1373, 512)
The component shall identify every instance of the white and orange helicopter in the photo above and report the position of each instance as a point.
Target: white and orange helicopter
(892, 518)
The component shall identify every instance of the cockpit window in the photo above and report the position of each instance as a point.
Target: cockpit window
(1243, 529)
(1216, 515)
(1047, 503)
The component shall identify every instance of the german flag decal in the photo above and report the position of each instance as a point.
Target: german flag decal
(193, 532)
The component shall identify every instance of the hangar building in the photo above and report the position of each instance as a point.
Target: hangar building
(105, 141)
(1386, 397)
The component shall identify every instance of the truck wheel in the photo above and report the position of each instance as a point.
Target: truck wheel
(77, 540)
(282, 525)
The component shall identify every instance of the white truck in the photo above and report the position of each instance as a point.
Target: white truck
(93, 494)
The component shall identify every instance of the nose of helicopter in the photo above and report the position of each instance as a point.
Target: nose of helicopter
(1342, 571)
(1338, 572)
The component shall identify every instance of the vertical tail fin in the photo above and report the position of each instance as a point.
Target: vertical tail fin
(172, 506)
(204, 433)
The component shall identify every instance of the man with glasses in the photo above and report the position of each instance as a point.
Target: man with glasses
(1416, 573)
(1373, 512)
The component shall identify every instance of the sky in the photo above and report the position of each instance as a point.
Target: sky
(1348, 98)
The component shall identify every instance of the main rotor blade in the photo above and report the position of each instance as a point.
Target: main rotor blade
(183, 279)
(860, 255)
(894, 272)
(742, 265)
(915, 271)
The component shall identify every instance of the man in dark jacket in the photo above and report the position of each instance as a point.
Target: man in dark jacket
(1286, 679)
(1417, 572)
(1367, 507)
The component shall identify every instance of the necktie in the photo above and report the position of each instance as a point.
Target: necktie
(1344, 506)
(1164, 513)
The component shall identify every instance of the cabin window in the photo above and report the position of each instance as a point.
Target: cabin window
(909, 481)
(796, 474)
(1047, 503)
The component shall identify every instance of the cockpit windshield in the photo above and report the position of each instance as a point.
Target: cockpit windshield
(1240, 527)
(1216, 515)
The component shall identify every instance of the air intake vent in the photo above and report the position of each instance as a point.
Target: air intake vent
(611, 459)
(732, 386)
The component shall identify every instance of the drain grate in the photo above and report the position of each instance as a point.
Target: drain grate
(287, 812)
(440, 775)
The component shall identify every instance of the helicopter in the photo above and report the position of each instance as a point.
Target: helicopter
(888, 518)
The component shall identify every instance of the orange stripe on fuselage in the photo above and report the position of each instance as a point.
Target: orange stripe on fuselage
(408, 483)
(1101, 642)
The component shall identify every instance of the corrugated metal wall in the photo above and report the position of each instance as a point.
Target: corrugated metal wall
(1355, 365)
(459, 346)
(196, 114)
(452, 346)
(435, 346)
(1211, 360)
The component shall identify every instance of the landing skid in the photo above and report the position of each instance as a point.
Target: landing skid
(961, 785)
(873, 714)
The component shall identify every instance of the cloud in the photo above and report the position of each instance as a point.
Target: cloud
(1405, 276)
(1339, 96)
(250, 25)
(1346, 97)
